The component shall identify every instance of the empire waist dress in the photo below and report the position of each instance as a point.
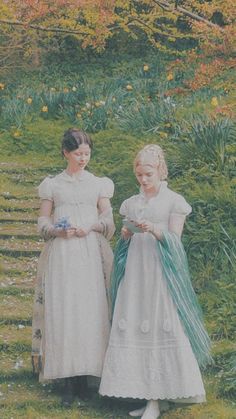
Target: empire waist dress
(76, 319)
(149, 356)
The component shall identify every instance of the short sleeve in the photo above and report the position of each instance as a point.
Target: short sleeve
(45, 189)
(124, 208)
(106, 188)
(180, 206)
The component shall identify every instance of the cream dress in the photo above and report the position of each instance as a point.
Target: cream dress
(149, 355)
(76, 319)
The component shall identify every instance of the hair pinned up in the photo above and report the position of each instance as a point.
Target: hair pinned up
(153, 155)
(73, 138)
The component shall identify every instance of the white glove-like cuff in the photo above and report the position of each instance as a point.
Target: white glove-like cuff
(106, 223)
(46, 228)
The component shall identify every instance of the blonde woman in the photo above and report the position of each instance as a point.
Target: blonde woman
(157, 339)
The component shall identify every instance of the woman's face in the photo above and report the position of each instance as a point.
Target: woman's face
(148, 177)
(79, 157)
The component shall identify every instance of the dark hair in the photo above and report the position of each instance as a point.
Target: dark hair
(73, 138)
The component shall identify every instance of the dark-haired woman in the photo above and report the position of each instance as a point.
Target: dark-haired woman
(71, 320)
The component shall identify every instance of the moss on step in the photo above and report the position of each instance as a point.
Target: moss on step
(19, 228)
(15, 307)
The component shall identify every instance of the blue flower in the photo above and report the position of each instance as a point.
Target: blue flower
(62, 223)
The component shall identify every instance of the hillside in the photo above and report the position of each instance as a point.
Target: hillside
(124, 105)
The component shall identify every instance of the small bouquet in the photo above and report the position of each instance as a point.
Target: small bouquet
(62, 223)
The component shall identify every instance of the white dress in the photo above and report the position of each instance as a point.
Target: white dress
(76, 318)
(149, 355)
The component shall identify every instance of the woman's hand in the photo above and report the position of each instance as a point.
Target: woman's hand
(146, 226)
(83, 231)
(65, 233)
(125, 233)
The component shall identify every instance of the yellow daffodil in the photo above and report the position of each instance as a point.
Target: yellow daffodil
(170, 76)
(2, 86)
(29, 100)
(214, 101)
(53, 89)
(16, 134)
(113, 99)
(145, 67)
(74, 89)
(97, 104)
(44, 109)
(129, 87)
(163, 134)
(79, 115)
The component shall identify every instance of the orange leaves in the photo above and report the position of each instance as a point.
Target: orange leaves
(93, 22)
(225, 111)
(206, 72)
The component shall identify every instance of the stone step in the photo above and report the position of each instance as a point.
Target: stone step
(21, 211)
(15, 217)
(10, 196)
(17, 229)
(15, 367)
(13, 266)
(19, 253)
(16, 309)
(19, 206)
(12, 190)
(19, 280)
(14, 337)
(18, 291)
(19, 236)
(25, 184)
(12, 244)
(18, 272)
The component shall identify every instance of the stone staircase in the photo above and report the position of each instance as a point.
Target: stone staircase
(20, 246)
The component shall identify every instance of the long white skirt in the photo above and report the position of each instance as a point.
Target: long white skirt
(149, 355)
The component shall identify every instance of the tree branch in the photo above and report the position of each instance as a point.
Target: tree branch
(160, 31)
(167, 6)
(39, 28)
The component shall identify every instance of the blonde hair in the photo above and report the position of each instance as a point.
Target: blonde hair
(153, 155)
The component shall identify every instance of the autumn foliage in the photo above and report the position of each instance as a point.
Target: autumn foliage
(209, 26)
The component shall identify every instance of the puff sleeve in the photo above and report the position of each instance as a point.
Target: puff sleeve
(45, 189)
(180, 206)
(106, 216)
(124, 210)
(180, 209)
(106, 188)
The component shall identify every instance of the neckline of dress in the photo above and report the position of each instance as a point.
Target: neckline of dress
(75, 176)
(163, 186)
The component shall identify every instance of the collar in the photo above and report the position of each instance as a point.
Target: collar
(80, 176)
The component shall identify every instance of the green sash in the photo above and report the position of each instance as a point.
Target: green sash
(176, 274)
